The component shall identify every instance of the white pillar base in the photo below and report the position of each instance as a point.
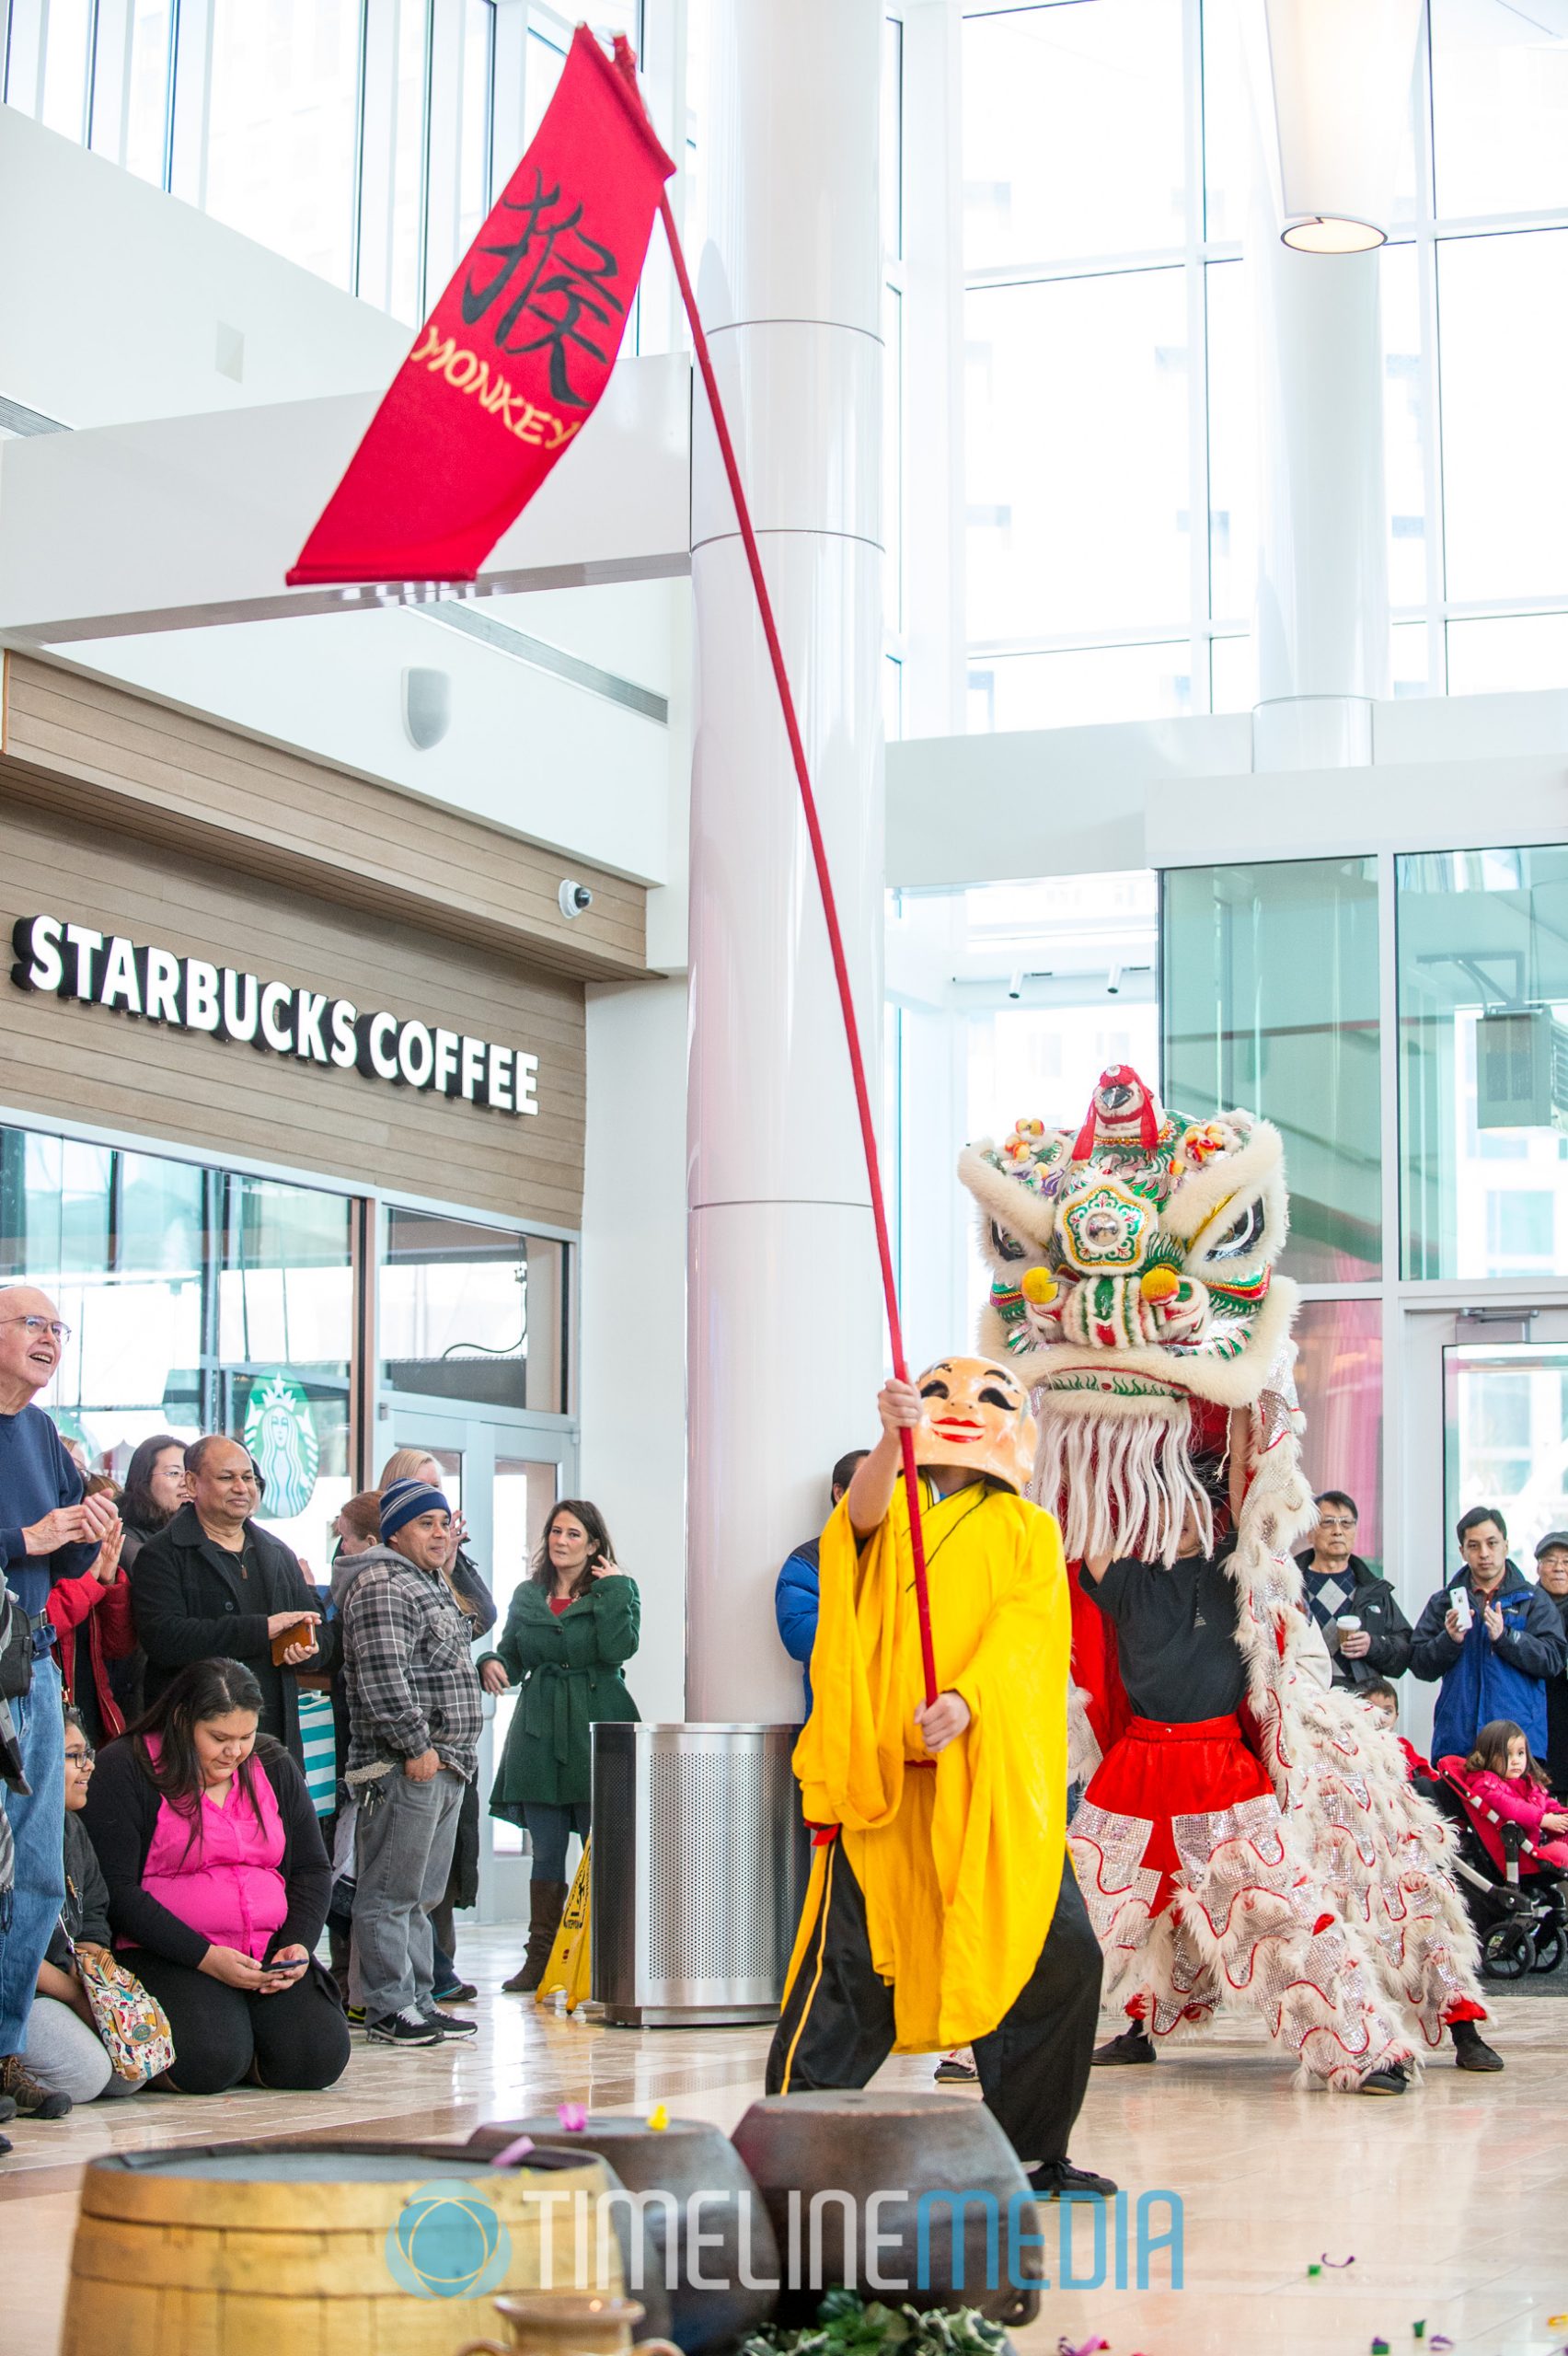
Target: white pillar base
(1312, 732)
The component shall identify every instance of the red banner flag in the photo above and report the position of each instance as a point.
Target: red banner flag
(510, 365)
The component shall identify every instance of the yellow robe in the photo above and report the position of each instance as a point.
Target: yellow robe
(960, 1861)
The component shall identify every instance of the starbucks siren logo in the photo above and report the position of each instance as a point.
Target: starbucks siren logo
(281, 1437)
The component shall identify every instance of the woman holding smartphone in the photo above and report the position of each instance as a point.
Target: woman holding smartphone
(218, 1884)
(570, 1625)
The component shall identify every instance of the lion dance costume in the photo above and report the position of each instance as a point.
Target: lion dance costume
(940, 1912)
(1275, 1856)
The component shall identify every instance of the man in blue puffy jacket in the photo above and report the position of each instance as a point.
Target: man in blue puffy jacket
(795, 1592)
(1499, 1663)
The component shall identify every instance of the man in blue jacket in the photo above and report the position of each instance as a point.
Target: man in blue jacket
(795, 1593)
(1499, 1665)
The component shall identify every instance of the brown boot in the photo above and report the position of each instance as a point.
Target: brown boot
(546, 1902)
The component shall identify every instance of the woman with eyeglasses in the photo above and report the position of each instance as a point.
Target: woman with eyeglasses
(65, 2053)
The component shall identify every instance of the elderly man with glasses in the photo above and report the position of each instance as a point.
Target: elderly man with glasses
(1366, 1633)
(48, 1532)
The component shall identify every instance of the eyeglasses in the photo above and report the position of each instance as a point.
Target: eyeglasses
(82, 1758)
(1331, 1521)
(41, 1326)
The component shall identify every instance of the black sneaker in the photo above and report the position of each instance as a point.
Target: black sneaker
(952, 2070)
(402, 2028)
(1471, 2048)
(1059, 2177)
(8, 2109)
(449, 2023)
(462, 1991)
(1134, 2044)
(1391, 2081)
(31, 2098)
(355, 2015)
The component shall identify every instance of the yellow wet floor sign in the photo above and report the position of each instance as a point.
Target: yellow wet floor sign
(571, 1955)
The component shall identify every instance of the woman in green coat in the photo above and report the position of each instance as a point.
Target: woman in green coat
(572, 1624)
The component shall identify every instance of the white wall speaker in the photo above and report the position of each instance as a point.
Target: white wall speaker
(427, 707)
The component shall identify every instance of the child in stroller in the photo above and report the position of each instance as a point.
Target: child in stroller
(1512, 1856)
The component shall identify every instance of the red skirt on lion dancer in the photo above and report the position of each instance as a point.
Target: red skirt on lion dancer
(1246, 1834)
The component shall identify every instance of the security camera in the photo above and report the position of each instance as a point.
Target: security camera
(574, 898)
(1113, 982)
(1015, 987)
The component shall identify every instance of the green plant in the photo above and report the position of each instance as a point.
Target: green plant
(847, 2325)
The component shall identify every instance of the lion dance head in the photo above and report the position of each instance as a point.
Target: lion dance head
(1133, 1290)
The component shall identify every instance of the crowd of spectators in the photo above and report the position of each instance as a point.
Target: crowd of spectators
(208, 1760)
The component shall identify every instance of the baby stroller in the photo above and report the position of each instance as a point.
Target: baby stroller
(1522, 1925)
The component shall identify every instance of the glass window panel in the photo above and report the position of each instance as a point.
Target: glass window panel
(404, 292)
(473, 1312)
(542, 66)
(1229, 136)
(1232, 442)
(281, 120)
(1233, 667)
(1073, 133)
(1338, 1380)
(1508, 652)
(147, 105)
(1077, 482)
(1271, 1005)
(1410, 655)
(1504, 1422)
(893, 457)
(68, 34)
(1405, 425)
(1483, 999)
(1503, 341)
(474, 135)
(285, 1287)
(1499, 107)
(1083, 685)
(893, 136)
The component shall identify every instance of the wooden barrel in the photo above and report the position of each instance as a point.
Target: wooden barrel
(323, 2249)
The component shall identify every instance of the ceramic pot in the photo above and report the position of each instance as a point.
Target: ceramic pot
(684, 2159)
(568, 2322)
(912, 2150)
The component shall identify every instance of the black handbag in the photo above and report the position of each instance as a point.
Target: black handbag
(16, 1649)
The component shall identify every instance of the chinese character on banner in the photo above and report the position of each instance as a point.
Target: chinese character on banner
(509, 365)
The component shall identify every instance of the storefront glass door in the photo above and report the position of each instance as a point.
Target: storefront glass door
(503, 1476)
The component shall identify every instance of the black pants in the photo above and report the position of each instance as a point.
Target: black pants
(837, 2029)
(298, 2040)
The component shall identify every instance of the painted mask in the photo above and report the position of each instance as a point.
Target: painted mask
(975, 1413)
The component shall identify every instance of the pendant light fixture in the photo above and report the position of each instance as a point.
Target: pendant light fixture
(1333, 85)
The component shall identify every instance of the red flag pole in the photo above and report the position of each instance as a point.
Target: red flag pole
(830, 915)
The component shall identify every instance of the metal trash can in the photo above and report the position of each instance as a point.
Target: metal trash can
(700, 1859)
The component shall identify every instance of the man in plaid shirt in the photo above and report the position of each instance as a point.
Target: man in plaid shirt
(415, 1708)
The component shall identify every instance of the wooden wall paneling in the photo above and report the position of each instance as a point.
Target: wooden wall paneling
(70, 1061)
(73, 743)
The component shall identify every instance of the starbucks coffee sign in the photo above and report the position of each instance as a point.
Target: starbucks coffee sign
(277, 1018)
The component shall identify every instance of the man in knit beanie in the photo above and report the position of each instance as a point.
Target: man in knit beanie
(414, 1714)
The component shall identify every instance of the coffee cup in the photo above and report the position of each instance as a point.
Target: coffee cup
(1348, 1623)
(549, 2323)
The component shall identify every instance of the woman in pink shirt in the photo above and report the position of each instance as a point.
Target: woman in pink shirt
(218, 1884)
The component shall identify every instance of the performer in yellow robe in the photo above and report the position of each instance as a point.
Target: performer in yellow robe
(941, 1909)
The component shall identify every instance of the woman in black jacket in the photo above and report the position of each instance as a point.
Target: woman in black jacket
(218, 1885)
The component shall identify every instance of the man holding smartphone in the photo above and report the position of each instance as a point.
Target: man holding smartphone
(1490, 1641)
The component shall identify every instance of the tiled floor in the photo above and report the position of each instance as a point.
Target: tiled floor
(1447, 2199)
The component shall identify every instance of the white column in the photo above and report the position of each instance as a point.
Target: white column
(1322, 612)
(784, 1352)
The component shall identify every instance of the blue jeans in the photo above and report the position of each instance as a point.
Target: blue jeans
(30, 1909)
(549, 1830)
